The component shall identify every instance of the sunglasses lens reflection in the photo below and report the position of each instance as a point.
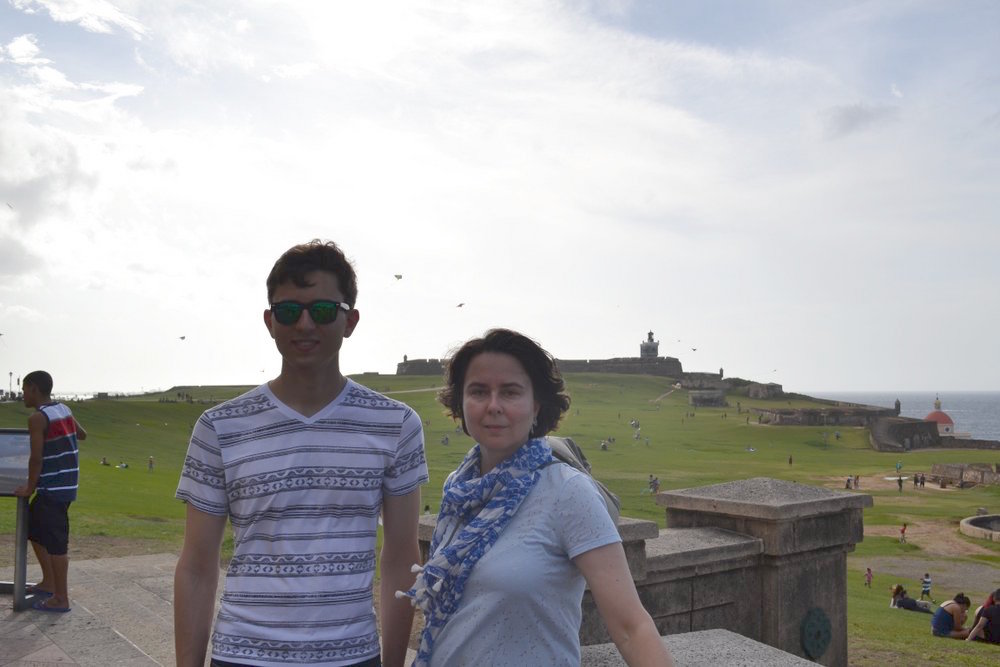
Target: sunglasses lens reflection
(287, 313)
(323, 312)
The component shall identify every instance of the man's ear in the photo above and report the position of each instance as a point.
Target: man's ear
(267, 321)
(352, 321)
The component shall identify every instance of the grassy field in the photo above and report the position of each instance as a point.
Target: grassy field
(683, 451)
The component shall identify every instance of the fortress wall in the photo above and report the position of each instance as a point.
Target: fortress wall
(951, 472)
(819, 416)
(765, 391)
(420, 367)
(963, 443)
(915, 433)
(979, 476)
(703, 381)
(660, 366)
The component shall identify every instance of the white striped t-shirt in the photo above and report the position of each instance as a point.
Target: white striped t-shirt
(303, 495)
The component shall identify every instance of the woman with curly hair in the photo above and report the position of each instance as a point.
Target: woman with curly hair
(519, 535)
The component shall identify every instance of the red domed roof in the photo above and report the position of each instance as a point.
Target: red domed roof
(939, 417)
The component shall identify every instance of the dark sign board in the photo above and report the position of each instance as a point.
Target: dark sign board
(15, 447)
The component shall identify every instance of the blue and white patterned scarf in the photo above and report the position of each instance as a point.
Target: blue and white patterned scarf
(474, 512)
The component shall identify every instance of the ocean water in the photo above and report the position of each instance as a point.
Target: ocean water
(974, 412)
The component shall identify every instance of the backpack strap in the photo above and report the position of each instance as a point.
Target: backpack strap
(564, 450)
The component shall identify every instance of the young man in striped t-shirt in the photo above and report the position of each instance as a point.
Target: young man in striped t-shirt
(302, 467)
(53, 471)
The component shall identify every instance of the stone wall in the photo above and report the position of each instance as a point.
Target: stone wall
(981, 527)
(707, 398)
(966, 473)
(763, 558)
(765, 391)
(966, 443)
(819, 416)
(420, 367)
(949, 472)
(914, 433)
(661, 366)
(978, 476)
(703, 381)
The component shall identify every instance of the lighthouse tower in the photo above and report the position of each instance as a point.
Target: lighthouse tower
(649, 348)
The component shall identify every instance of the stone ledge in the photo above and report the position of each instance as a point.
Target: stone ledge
(763, 498)
(984, 530)
(677, 548)
(630, 530)
(707, 647)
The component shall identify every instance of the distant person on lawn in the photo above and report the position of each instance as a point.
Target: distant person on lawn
(987, 625)
(302, 467)
(53, 474)
(950, 617)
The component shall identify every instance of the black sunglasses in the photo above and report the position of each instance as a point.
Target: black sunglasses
(322, 311)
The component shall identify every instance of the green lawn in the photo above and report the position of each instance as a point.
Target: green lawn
(683, 451)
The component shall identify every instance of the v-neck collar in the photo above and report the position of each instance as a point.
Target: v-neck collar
(292, 413)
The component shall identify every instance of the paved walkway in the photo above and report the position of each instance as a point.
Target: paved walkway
(122, 616)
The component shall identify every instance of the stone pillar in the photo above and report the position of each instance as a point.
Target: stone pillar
(806, 533)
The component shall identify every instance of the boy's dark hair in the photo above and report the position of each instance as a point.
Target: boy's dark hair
(40, 380)
(546, 382)
(305, 258)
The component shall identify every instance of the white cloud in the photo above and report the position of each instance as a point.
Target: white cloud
(896, 92)
(295, 71)
(19, 312)
(24, 50)
(523, 157)
(98, 16)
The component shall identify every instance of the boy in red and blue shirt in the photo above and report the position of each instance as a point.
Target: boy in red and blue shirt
(53, 474)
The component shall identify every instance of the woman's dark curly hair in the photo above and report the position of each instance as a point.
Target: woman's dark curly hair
(546, 383)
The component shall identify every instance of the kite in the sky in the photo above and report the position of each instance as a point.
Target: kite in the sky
(9, 205)
(694, 349)
(460, 305)
(399, 276)
(182, 337)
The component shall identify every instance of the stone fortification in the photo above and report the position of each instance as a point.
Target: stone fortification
(660, 366)
(965, 474)
(903, 434)
(913, 433)
(704, 381)
(420, 367)
(967, 443)
(763, 558)
(707, 398)
(831, 416)
(765, 391)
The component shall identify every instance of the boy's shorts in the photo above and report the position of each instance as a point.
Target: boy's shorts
(48, 524)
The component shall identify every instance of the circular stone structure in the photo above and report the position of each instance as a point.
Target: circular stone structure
(986, 527)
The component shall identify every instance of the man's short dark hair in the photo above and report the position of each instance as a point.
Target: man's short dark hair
(40, 380)
(546, 383)
(305, 258)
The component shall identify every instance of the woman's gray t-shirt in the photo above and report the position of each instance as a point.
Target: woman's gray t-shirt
(521, 604)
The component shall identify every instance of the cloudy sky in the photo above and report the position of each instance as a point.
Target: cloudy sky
(806, 192)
